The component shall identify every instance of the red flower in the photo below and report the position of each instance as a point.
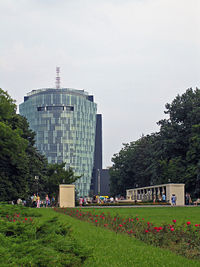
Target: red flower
(155, 228)
(148, 223)
(17, 215)
(174, 221)
(25, 219)
(120, 225)
(160, 228)
(172, 229)
(96, 220)
(146, 231)
(196, 225)
(14, 220)
(143, 219)
(137, 219)
(188, 223)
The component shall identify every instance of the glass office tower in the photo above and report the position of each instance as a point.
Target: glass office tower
(64, 121)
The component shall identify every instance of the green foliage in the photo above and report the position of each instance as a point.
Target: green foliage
(171, 155)
(57, 174)
(19, 159)
(37, 242)
(7, 106)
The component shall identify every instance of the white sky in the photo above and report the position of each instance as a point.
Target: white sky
(134, 56)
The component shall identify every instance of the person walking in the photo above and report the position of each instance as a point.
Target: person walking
(81, 201)
(38, 201)
(34, 200)
(53, 201)
(173, 199)
(163, 197)
(47, 200)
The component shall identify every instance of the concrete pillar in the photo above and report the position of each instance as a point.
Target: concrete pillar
(67, 195)
(179, 191)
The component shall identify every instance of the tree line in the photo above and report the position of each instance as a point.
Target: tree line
(171, 155)
(21, 162)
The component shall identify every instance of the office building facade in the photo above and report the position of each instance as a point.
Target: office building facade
(100, 177)
(64, 121)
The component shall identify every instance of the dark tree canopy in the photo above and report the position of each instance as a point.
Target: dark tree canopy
(171, 155)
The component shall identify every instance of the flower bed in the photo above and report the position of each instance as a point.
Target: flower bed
(182, 239)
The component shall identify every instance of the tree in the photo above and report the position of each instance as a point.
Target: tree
(171, 155)
(12, 152)
(57, 174)
(19, 159)
(133, 165)
(180, 134)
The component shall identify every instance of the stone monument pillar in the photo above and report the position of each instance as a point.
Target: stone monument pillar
(67, 196)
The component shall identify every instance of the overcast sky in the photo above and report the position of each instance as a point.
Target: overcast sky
(134, 56)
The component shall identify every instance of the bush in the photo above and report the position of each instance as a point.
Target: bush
(27, 241)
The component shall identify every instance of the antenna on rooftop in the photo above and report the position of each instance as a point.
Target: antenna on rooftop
(57, 77)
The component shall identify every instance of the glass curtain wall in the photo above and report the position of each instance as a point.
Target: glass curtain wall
(64, 121)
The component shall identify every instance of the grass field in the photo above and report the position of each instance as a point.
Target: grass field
(157, 215)
(110, 249)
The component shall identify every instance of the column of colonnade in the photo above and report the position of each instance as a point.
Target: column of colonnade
(151, 193)
(157, 192)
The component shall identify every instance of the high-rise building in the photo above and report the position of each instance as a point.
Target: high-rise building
(100, 177)
(64, 121)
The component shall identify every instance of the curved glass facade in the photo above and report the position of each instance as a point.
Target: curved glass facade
(64, 121)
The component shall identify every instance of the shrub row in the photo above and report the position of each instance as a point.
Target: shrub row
(30, 241)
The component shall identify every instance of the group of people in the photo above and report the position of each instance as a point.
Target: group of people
(159, 198)
(83, 201)
(188, 200)
(37, 202)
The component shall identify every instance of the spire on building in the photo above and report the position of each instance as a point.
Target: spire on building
(57, 77)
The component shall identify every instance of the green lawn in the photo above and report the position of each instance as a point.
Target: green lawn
(110, 249)
(156, 215)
